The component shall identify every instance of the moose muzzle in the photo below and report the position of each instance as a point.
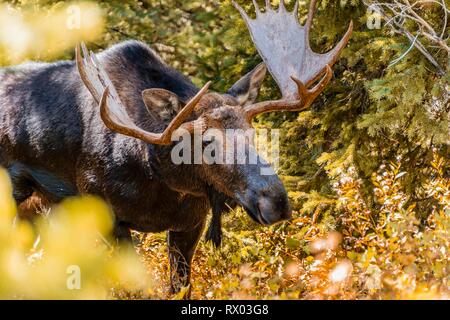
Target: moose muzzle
(264, 198)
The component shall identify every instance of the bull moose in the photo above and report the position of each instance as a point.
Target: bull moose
(103, 125)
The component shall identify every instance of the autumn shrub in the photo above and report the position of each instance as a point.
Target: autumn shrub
(353, 252)
(401, 255)
(67, 255)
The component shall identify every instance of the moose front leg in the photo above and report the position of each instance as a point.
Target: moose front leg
(181, 250)
(122, 233)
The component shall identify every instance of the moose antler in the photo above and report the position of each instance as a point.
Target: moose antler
(114, 113)
(284, 46)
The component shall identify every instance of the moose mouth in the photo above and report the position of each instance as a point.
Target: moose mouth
(252, 210)
(265, 208)
(256, 215)
(220, 201)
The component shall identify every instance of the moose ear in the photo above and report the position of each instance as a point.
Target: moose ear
(246, 89)
(164, 103)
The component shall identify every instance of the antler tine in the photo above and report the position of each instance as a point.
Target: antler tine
(309, 19)
(311, 94)
(113, 112)
(282, 7)
(305, 98)
(268, 5)
(295, 11)
(83, 73)
(241, 11)
(255, 4)
(103, 76)
(334, 53)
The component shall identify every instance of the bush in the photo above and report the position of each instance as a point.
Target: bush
(67, 255)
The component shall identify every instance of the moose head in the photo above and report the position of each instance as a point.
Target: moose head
(284, 47)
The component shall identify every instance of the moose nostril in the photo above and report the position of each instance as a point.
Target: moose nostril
(274, 210)
(264, 204)
(264, 193)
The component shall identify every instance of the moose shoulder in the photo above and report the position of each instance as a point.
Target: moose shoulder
(103, 125)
